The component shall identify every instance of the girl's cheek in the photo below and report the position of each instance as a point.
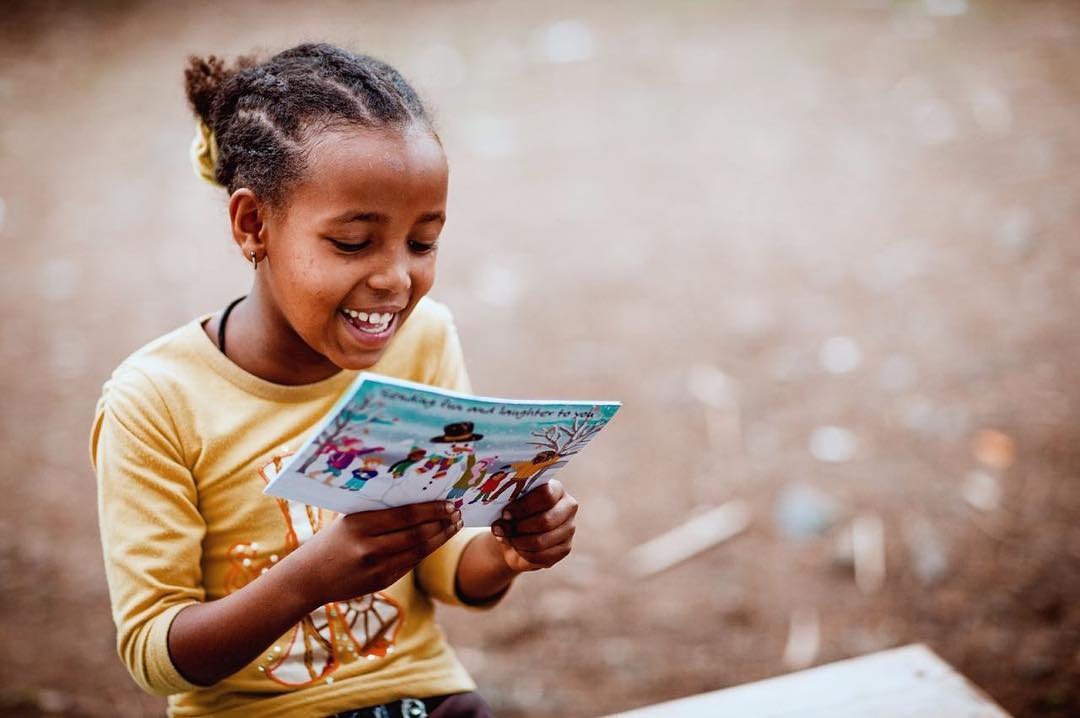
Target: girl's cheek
(425, 276)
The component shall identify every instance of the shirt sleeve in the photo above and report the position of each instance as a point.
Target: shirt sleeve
(437, 574)
(151, 528)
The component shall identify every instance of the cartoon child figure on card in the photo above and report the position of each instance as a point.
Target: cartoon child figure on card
(365, 473)
(359, 479)
(415, 455)
(488, 487)
(342, 455)
(475, 470)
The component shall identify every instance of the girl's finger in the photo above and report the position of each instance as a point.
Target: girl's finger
(417, 552)
(540, 542)
(411, 537)
(539, 499)
(546, 521)
(374, 523)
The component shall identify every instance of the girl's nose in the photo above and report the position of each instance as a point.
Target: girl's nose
(391, 277)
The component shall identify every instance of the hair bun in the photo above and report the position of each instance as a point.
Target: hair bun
(203, 78)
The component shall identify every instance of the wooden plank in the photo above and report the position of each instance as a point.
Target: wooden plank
(907, 682)
(689, 539)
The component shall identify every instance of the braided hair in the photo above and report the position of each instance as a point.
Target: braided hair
(264, 114)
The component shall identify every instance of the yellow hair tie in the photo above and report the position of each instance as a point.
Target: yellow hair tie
(204, 153)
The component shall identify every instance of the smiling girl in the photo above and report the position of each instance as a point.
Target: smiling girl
(234, 603)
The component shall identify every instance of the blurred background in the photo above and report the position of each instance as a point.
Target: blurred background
(825, 253)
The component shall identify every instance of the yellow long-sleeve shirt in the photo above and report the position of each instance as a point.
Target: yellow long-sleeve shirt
(183, 443)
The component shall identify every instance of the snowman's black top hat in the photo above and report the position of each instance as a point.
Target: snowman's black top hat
(453, 433)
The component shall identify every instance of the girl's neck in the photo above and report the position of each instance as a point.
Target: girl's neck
(261, 342)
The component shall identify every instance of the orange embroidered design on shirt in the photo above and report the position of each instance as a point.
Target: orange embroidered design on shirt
(331, 635)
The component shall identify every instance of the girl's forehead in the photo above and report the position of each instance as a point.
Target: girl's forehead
(372, 170)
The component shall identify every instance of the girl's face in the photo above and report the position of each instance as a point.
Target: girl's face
(354, 251)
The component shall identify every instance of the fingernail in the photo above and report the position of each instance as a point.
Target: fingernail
(506, 516)
(448, 507)
(498, 531)
(460, 524)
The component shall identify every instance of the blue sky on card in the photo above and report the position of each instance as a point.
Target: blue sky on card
(422, 415)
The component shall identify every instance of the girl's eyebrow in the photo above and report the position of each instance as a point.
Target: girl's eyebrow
(379, 218)
(353, 216)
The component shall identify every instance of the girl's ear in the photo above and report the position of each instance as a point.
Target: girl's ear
(248, 219)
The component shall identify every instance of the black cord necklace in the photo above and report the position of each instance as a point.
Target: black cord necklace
(221, 324)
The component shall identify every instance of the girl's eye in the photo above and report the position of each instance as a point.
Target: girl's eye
(421, 247)
(349, 246)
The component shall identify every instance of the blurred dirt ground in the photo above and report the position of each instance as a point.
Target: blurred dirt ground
(825, 253)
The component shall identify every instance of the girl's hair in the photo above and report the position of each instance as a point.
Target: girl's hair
(264, 114)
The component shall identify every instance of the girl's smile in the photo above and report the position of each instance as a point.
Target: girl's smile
(371, 329)
(346, 260)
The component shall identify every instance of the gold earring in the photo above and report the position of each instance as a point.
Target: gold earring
(254, 262)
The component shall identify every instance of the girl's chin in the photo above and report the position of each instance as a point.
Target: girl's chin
(357, 364)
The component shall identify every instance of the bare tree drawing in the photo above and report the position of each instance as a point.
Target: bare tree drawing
(567, 440)
(366, 412)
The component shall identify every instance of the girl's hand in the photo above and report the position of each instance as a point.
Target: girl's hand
(537, 529)
(353, 556)
(361, 553)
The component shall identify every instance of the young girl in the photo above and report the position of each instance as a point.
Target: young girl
(234, 603)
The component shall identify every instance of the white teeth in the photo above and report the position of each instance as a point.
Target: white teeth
(377, 319)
